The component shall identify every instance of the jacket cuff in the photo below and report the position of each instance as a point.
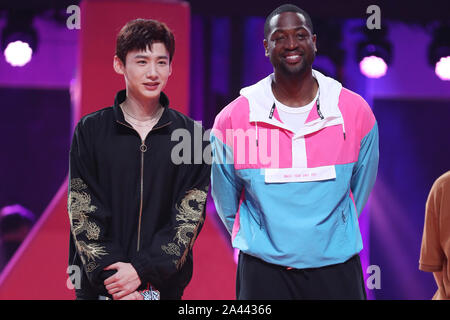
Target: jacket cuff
(139, 263)
(98, 276)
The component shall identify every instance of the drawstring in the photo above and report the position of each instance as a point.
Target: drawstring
(256, 123)
(321, 115)
(318, 103)
(343, 126)
(270, 117)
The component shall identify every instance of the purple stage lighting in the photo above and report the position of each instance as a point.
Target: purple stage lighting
(374, 53)
(18, 53)
(19, 38)
(439, 52)
(373, 67)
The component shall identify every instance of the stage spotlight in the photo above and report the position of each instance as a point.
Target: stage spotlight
(19, 39)
(439, 52)
(374, 53)
(442, 69)
(18, 53)
(373, 67)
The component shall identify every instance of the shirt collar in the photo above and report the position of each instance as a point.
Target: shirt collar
(122, 95)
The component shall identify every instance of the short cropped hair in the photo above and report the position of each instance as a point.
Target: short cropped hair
(286, 8)
(142, 33)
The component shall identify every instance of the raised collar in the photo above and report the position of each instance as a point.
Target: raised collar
(121, 96)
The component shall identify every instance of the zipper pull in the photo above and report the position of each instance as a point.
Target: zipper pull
(143, 147)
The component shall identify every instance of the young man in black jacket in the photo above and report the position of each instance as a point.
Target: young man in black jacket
(134, 211)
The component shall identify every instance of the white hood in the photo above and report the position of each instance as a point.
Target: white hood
(261, 100)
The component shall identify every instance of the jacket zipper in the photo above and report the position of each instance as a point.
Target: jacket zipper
(143, 149)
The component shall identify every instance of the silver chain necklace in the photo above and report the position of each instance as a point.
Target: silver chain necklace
(152, 117)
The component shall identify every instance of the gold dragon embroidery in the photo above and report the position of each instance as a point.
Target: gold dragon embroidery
(190, 214)
(79, 207)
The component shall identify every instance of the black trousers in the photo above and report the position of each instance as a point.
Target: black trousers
(259, 280)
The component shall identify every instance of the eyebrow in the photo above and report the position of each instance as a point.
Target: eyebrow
(284, 29)
(141, 56)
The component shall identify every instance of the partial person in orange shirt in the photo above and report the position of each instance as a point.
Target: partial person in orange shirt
(435, 251)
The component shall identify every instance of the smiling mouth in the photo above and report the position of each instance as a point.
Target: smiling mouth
(151, 85)
(295, 58)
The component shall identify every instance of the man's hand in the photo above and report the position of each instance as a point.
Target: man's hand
(133, 296)
(123, 282)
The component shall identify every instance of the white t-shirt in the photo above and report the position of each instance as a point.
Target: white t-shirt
(294, 118)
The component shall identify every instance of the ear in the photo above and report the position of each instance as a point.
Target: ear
(314, 38)
(118, 65)
(266, 47)
(170, 68)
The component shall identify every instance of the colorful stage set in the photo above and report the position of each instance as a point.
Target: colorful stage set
(71, 74)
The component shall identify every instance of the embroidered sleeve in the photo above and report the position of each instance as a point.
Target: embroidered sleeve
(190, 218)
(79, 207)
(88, 214)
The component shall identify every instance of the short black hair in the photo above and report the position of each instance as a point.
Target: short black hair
(287, 8)
(142, 33)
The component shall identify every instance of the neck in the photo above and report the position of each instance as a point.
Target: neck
(141, 109)
(295, 89)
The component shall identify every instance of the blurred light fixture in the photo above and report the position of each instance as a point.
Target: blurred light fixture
(373, 66)
(374, 53)
(19, 38)
(439, 52)
(442, 68)
(18, 53)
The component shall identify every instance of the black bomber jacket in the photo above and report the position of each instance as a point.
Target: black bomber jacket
(128, 200)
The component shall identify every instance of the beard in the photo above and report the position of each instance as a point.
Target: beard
(294, 70)
(291, 70)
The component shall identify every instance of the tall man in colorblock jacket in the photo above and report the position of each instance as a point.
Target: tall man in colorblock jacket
(295, 157)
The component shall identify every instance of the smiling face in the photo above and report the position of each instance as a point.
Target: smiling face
(290, 44)
(146, 71)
